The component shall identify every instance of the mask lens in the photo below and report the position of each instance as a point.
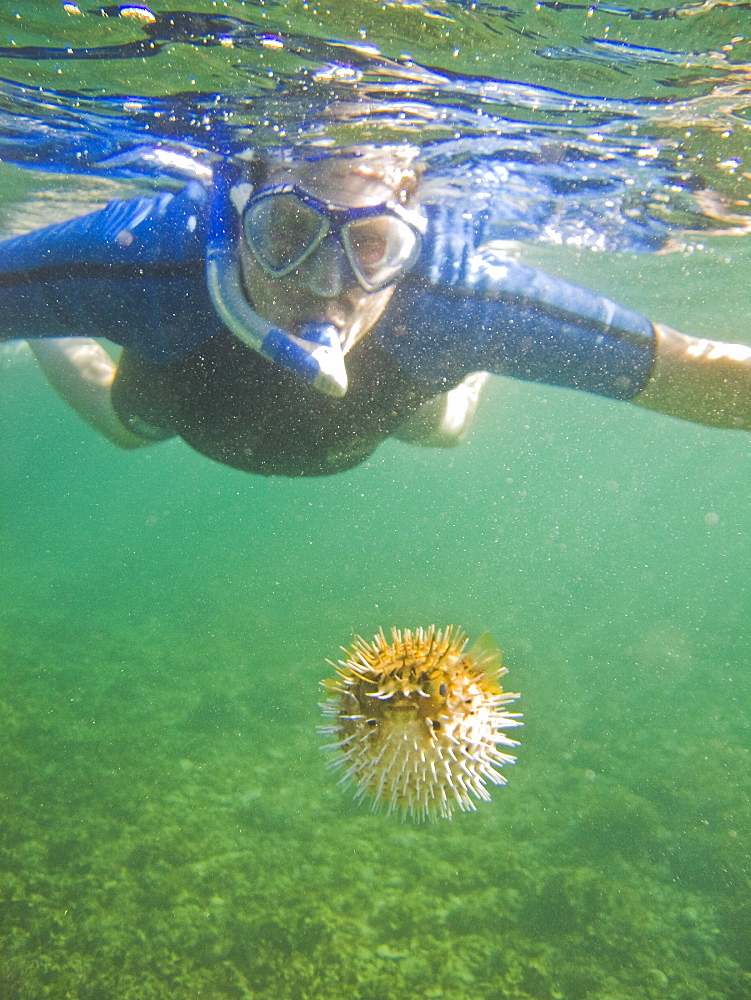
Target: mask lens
(281, 231)
(379, 249)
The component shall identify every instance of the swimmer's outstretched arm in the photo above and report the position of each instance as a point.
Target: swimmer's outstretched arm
(82, 372)
(133, 273)
(705, 381)
(484, 311)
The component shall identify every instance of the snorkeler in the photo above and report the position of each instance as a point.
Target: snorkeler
(291, 316)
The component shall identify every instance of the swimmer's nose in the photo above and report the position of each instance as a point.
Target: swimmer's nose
(326, 269)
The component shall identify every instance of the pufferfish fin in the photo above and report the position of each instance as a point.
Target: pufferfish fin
(485, 653)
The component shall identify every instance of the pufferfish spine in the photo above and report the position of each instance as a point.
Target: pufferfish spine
(418, 721)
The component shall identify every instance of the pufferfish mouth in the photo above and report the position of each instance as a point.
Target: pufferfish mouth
(401, 711)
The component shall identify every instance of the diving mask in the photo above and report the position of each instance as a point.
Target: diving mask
(284, 225)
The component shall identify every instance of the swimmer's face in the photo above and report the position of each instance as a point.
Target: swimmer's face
(326, 221)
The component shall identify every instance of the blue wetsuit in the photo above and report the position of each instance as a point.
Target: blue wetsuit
(134, 273)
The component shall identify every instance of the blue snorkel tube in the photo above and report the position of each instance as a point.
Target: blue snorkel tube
(316, 357)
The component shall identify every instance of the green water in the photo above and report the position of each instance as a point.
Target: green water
(168, 828)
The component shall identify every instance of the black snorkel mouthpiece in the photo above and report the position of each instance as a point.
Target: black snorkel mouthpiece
(315, 356)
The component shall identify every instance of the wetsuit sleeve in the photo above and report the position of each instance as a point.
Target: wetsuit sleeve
(133, 273)
(481, 311)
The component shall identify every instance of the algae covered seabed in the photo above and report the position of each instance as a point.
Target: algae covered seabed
(167, 833)
(169, 829)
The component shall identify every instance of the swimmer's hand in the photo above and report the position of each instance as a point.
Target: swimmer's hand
(705, 381)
